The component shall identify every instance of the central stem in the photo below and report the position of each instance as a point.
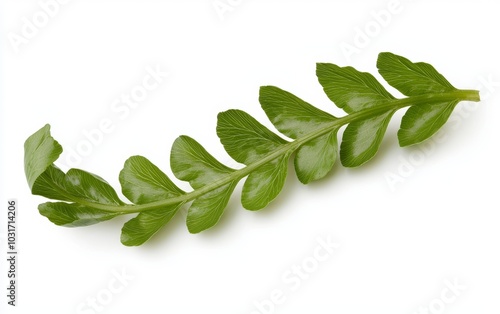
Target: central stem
(392, 105)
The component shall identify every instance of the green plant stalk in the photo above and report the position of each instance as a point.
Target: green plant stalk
(396, 104)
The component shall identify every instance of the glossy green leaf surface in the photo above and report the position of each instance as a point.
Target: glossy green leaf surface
(414, 79)
(48, 180)
(40, 151)
(85, 198)
(82, 188)
(315, 159)
(421, 122)
(90, 187)
(141, 228)
(351, 89)
(361, 139)
(191, 162)
(74, 215)
(264, 184)
(51, 184)
(142, 182)
(295, 118)
(206, 210)
(291, 115)
(244, 138)
(411, 78)
(355, 91)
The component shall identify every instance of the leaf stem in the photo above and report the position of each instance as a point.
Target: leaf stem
(392, 105)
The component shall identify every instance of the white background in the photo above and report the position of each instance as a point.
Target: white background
(399, 243)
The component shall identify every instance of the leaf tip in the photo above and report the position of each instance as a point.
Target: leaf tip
(127, 241)
(40, 151)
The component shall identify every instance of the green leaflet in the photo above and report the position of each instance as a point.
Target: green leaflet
(143, 183)
(191, 162)
(50, 184)
(361, 139)
(85, 190)
(420, 122)
(295, 118)
(411, 79)
(138, 230)
(73, 215)
(82, 189)
(87, 186)
(291, 115)
(246, 140)
(84, 198)
(40, 151)
(207, 209)
(316, 158)
(264, 184)
(350, 89)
